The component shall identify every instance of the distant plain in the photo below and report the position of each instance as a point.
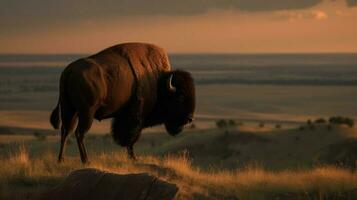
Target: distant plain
(269, 97)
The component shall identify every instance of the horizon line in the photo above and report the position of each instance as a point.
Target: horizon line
(184, 53)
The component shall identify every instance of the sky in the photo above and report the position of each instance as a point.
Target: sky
(180, 26)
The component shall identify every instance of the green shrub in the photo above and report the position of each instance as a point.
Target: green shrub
(338, 120)
(320, 121)
(221, 123)
(231, 123)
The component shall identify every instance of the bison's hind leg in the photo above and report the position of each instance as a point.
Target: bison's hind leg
(85, 120)
(69, 118)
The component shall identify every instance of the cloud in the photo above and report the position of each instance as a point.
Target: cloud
(71, 27)
(259, 5)
(351, 3)
(78, 8)
(36, 13)
(301, 14)
(133, 7)
(319, 15)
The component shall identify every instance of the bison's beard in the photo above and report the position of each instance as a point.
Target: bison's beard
(173, 129)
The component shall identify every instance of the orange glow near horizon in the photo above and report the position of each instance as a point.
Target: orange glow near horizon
(328, 27)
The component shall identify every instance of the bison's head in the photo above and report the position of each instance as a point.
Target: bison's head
(179, 101)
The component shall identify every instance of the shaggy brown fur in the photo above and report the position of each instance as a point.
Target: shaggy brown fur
(131, 83)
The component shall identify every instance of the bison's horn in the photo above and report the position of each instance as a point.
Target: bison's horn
(169, 84)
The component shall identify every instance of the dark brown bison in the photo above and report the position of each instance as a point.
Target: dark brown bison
(131, 83)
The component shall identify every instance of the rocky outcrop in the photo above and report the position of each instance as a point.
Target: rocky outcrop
(93, 184)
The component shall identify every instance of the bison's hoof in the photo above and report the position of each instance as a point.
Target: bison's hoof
(60, 160)
(86, 162)
(132, 157)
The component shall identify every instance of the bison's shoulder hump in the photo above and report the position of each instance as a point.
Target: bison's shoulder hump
(144, 55)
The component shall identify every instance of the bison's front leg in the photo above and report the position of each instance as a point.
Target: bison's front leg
(131, 136)
(126, 130)
(126, 134)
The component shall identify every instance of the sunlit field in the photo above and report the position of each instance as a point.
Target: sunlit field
(23, 176)
(221, 163)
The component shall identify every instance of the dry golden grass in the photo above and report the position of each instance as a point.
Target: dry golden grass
(22, 176)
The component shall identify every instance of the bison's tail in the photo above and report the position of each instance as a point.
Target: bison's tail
(55, 117)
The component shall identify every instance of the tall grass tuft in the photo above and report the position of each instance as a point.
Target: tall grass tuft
(28, 175)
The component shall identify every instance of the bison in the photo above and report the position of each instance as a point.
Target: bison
(132, 83)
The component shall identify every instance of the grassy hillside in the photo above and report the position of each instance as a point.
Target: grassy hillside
(247, 162)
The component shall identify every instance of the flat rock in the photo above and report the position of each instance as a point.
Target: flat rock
(93, 184)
